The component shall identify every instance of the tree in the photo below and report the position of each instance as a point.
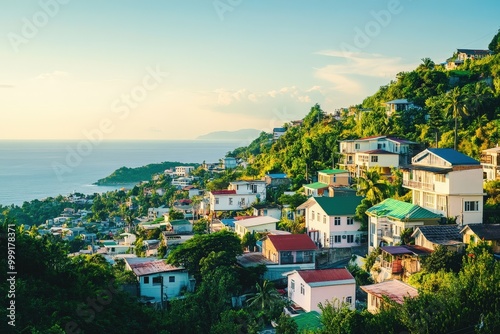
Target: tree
(338, 318)
(494, 45)
(373, 187)
(286, 325)
(266, 301)
(174, 215)
(442, 259)
(295, 226)
(249, 241)
(455, 105)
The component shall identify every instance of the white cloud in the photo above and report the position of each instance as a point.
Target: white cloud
(53, 75)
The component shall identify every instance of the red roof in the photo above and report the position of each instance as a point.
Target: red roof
(223, 192)
(292, 242)
(325, 275)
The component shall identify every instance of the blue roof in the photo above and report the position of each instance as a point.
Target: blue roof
(279, 130)
(277, 176)
(453, 157)
(228, 222)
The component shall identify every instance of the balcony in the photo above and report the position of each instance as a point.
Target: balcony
(418, 185)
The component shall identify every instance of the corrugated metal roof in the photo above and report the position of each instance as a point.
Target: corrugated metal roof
(325, 275)
(400, 210)
(223, 192)
(441, 234)
(339, 205)
(316, 185)
(292, 242)
(485, 231)
(256, 221)
(406, 249)
(378, 151)
(151, 267)
(453, 157)
(395, 290)
(333, 171)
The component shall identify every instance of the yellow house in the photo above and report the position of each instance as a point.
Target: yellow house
(490, 233)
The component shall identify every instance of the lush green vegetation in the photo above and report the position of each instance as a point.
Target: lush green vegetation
(125, 175)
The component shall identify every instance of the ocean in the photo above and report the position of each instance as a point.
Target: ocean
(38, 169)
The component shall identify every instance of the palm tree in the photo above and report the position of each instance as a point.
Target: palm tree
(373, 187)
(454, 104)
(266, 297)
(476, 96)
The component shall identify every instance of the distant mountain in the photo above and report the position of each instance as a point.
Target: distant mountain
(243, 134)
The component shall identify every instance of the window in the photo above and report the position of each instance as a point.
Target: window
(471, 206)
(324, 219)
(242, 202)
(428, 200)
(230, 201)
(302, 289)
(312, 215)
(356, 146)
(337, 220)
(374, 158)
(440, 178)
(338, 239)
(171, 279)
(292, 285)
(216, 200)
(156, 280)
(350, 221)
(349, 300)
(441, 203)
(350, 238)
(146, 280)
(317, 217)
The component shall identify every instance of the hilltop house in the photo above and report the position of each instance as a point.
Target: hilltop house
(490, 160)
(389, 218)
(184, 170)
(399, 105)
(265, 209)
(384, 152)
(276, 180)
(282, 253)
(308, 288)
(158, 281)
(278, 132)
(489, 233)
(327, 178)
(448, 183)
(395, 290)
(255, 224)
(239, 196)
(330, 221)
(431, 237)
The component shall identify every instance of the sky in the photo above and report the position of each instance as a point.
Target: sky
(177, 69)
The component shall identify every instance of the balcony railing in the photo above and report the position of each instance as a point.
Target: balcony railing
(418, 185)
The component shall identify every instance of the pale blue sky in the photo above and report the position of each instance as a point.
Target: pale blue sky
(231, 64)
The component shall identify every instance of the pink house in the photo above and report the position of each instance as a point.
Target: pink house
(308, 288)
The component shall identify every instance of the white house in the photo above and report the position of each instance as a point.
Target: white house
(154, 213)
(128, 238)
(490, 160)
(398, 105)
(239, 196)
(375, 151)
(264, 209)
(447, 182)
(158, 280)
(183, 170)
(330, 221)
(308, 288)
(255, 224)
(389, 218)
(119, 249)
(278, 132)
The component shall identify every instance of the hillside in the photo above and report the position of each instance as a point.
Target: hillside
(126, 175)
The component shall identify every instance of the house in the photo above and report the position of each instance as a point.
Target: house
(399, 105)
(239, 196)
(327, 178)
(489, 233)
(399, 261)
(265, 209)
(184, 170)
(276, 180)
(192, 191)
(255, 224)
(154, 213)
(490, 160)
(330, 221)
(229, 163)
(448, 183)
(464, 54)
(309, 288)
(278, 132)
(381, 151)
(151, 247)
(389, 218)
(119, 249)
(158, 280)
(182, 181)
(128, 238)
(180, 226)
(395, 290)
(431, 237)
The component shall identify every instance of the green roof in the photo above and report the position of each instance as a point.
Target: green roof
(333, 171)
(108, 242)
(339, 205)
(400, 210)
(316, 185)
(308, 321)
(179, 222)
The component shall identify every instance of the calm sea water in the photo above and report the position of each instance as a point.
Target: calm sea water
(35, 170)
